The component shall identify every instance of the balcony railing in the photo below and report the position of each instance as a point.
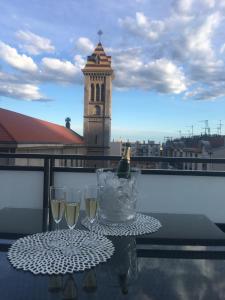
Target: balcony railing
(160, 190)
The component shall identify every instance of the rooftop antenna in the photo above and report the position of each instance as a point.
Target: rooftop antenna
(206, 128)
(192, 129)
(100, 33)
(219, 128)
(180, 133)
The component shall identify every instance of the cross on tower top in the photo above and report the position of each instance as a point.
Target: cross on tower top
(100, 33)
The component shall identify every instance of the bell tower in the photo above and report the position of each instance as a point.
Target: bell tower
(98, 76)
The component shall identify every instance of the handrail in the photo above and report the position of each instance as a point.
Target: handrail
(114, 158)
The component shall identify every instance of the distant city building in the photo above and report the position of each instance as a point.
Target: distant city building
(116, 148)
(201, 146)
(138, 149)
(23, 134)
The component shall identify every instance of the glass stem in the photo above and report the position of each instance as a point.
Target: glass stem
(91, 228)
(57, 226)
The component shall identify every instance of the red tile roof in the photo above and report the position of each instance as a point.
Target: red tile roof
(18, 128)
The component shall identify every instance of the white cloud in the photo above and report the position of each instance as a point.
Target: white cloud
(142, 26)
(209, 3)
(186, 7)
(199, 39)
(33, 43)
(57, 70)
(27, 92)
(160, 75)
(79, 61)
(222, 48)
(186, 40)
(208, 93)
(183, 6)
(85, 45)
(13, 58)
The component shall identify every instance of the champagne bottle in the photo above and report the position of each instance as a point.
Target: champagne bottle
(123, 170)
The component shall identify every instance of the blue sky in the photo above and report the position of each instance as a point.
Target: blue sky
(168, 58)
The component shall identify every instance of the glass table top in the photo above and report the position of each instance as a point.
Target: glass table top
(137, 270)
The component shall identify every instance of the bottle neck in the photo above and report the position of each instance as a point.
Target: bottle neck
(126, 154)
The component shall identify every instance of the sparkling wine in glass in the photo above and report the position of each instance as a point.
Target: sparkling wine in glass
(57, 201)
(72, 211)
(91, 204)
(57, 206)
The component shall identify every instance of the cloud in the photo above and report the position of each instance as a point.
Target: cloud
(84, 45)
(142, 26)
(185, 41)
(33, 43)
(79, 61)
(57, 70)
(180, 53)
(10, 86)
(188, 6)
(222, 48)
(21, 62)
(18, 87)
(205, 93)
(199, 38)
(160, 75)
(183, 6)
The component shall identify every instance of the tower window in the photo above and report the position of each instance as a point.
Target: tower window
(103, 92)
(92, 92)
(97, 92)
(97, 110)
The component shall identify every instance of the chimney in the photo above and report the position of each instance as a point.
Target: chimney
(68, 120)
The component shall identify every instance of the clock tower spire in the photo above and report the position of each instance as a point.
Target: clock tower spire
(98, 76)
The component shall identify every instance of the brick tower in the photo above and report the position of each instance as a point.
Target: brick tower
(98, 76)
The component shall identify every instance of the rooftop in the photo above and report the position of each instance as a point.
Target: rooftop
(18, 128)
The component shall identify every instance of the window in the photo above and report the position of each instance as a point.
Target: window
(96, 139)
(97, 92)
(204, 167)
(92, 92)
(103, 92)
(97, 110)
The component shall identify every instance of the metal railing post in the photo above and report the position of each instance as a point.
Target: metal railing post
(46, 183)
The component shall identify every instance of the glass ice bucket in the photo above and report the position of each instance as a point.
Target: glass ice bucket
(117, 197)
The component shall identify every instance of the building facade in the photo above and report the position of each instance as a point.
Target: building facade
(98, 76)
(23, 134)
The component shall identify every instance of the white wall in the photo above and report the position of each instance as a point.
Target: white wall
(169, 193)
(183, 194)
(158, 193)
(21, 189)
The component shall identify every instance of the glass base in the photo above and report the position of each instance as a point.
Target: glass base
(55, 242)
(105, 220)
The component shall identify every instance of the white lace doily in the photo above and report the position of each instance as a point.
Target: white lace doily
(36, 253)
(141, 225)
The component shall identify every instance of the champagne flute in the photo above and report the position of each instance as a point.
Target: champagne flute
(91, 204)
(57, 200)
(72, 211)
